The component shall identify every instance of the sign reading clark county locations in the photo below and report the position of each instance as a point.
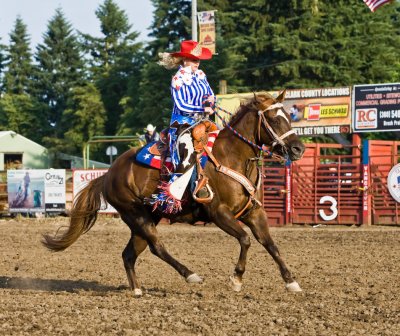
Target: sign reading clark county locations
(313, 111)
(393, 182)
(82, 177)
(319, 111)
(376, 107)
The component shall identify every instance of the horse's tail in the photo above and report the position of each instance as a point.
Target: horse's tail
(83, 216)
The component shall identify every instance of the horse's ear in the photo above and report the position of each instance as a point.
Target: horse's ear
(281, 96)
(255, 96)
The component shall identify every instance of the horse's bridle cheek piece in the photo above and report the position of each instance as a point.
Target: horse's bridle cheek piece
(277, 139)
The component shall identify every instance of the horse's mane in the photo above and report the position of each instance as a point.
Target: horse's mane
(250, 104)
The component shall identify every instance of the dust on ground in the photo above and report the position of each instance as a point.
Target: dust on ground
(349, 277)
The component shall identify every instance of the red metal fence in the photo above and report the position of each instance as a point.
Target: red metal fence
(383, 155)
(332, 185)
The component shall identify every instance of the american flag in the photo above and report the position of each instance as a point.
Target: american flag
(375, 4)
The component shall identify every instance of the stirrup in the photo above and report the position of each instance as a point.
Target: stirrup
(201, 185)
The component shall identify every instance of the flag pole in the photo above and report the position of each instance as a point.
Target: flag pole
(194, 20)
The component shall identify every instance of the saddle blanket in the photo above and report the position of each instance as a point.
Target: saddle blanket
(145, 157)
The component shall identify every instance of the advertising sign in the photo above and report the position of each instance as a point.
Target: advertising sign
(54, 190)
(319, 111)
(25, 190)
(313, 111)
(207, 29)
(82, 177)
(376, 108)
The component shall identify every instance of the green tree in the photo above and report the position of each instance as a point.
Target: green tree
(310, 43)
(18, 113)
(86, 116)
(18, 61)
(114, 59)
(150, 101)
(60, 67)
(2, 49)
(18, 108)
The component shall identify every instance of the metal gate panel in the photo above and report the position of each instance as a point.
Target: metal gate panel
(383, 155)
(274, 192)
(327, 188)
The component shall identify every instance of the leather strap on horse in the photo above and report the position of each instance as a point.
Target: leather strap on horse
(243, 180)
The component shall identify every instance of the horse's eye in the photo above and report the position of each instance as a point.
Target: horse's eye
(275, 120)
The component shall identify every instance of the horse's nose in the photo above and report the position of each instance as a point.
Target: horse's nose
(297, 149)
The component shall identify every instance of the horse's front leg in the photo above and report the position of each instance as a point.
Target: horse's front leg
(225, 220)
(257, 222)
(149, 232)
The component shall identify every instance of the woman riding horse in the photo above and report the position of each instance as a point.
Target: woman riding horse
(233, 176)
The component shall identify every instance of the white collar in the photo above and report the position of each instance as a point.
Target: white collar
(188, 70)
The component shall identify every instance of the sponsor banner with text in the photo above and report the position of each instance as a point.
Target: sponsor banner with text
(36, 190)
(82, 177)
(313, 111)
(376, 108)
(54, 189)
(207, 29)
(319, 111)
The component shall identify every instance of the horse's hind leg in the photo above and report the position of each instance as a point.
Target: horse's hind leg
(225, 220)
(135, 246)
(257, 222)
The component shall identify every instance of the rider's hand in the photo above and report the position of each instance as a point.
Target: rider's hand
(208, 110)
(211, 99)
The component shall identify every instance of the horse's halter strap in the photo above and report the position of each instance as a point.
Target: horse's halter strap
(261, 119)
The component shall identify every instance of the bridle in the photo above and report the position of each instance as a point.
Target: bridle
(277, 139)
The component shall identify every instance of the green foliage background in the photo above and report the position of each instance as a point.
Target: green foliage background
(74, 86)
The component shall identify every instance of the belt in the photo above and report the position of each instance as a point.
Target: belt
(195, 115)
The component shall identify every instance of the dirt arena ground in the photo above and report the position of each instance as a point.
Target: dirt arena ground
(349, 276)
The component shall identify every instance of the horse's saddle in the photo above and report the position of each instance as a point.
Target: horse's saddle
(152, 153)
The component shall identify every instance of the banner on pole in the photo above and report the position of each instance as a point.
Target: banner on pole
(207, 30)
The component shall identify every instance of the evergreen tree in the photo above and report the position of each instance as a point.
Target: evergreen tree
(114, 59)
(2, 49)
(60, 68)
(86, 116)
(310, 43)
(18, 114)
(18, 76)
(18, 109)
(151, 100)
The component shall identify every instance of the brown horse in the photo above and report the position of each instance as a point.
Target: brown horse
(127, 184)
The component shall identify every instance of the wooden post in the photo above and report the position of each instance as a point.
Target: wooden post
(223, 88)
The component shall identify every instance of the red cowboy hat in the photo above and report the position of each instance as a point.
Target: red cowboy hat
(193, 50)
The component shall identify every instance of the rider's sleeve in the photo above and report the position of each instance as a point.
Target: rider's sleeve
(181, 97)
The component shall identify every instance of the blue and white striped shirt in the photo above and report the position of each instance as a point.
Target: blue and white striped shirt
(188, 90)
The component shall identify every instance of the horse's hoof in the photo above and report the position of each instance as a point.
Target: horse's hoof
(137, 292)
(194, 278)
(293, 287)
(235, 284)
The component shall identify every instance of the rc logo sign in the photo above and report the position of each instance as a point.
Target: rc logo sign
(366, 118)
(393, 182)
